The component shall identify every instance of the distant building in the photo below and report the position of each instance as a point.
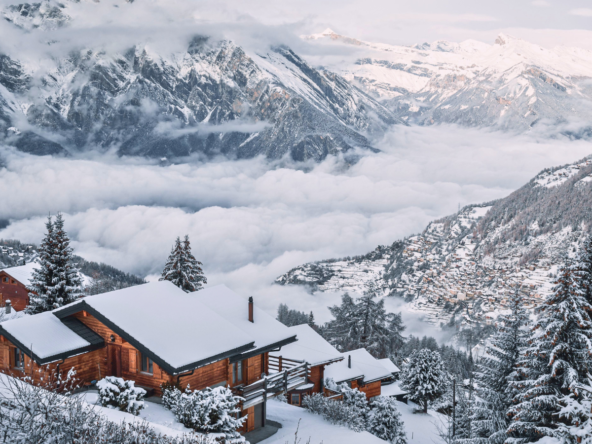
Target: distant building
(14, 285)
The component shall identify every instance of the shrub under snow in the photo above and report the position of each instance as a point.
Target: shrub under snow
(384, 421)
(335, 412)
(120, 393)
(212, 410)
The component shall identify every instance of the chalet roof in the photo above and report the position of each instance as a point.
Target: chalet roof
(363, 365)
(47, 338)
(265, 330)
(310, 347)
(389, 365)
(22, 273)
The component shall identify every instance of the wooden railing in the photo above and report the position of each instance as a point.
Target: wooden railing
(273, 385)
(279, 363)
(332, 394)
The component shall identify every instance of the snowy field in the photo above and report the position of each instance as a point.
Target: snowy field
(420, 428)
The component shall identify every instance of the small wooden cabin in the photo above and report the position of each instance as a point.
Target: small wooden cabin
(359, 369)
(14, 284)
(151, 334)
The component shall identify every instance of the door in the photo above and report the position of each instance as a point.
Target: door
(114, 362)
(259, 415)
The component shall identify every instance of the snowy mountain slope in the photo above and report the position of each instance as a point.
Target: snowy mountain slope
(214, 98)
(464, 266)
(510, 84)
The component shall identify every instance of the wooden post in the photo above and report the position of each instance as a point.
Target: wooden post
(286, 381)
(306, 372)
(280, 364)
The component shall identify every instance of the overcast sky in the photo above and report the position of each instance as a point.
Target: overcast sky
(546, 22)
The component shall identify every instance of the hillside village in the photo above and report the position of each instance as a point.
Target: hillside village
(452, 273)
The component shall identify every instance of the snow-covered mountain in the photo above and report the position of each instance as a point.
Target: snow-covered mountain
(464, 266)
(508, 84)
(214, 98)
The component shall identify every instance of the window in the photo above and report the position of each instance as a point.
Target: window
(5, 279)
(295, 399)
(19, 359)
(146, 364)
(237, 372)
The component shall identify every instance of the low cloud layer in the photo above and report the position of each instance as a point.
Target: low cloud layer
(250, 221)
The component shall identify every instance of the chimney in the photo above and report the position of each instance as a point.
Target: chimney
(251, 309)
(348, 361)
(7, 306)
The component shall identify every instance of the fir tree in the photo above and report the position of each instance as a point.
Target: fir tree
(384, 421)
(424, 378)
(291, 317)
(56, 281)
(365, 324)
(555, 363)
(495, 371)
(182, 269)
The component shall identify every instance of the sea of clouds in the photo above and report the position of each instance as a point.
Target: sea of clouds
(251, 220)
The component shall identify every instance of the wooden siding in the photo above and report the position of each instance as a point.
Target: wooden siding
(371, 390)
(14, 291)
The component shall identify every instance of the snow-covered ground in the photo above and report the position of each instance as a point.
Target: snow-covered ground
(420, 428)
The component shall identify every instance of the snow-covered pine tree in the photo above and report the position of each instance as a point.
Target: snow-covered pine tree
(182, 269)
(56, 281)
(384, 421)
(578, 415)
(424, 378)
(555, 363)
(585, 268)
(364, 323)
(194, 274)
(494, 373)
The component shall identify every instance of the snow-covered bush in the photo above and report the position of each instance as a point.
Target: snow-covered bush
(384, 421)
(335, 412)
(120, 393)
(31, 414)
(171, 393)
(211, 411)
(354, 398)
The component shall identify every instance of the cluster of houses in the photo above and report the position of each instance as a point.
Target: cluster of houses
(156, 333)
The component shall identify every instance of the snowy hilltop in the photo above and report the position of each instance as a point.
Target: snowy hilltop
(464, 267)
(510, 84)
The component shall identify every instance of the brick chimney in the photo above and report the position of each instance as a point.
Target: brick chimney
(251, 309)
(7, 306)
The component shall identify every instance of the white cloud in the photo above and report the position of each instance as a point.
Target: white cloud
(250, 221)
(582, 12)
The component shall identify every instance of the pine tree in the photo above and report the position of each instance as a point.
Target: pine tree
(578, 415)
(555, 363)
(182, 269)
(424, 378)
(56, 281)
(384, 421)
(364, 323)
(495, 371)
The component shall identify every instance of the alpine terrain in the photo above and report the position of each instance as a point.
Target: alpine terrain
(464, 268)
(214, 98)
(510, 84)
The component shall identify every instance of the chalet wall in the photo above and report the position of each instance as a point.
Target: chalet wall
(13, 291)
(371, 390)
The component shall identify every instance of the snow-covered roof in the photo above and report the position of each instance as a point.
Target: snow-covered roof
(363, 365)
(265, 330)
(44, 335)
(389, 365)
(393, 389)
(310, 347)
(22, 273)
(162, 320)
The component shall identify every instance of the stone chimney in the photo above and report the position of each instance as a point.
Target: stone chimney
(7, 306)
(348, 361)
(251, 309)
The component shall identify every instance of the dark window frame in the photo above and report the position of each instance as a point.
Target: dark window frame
(19, 358)
(238, 372)
(297, 396)
(146, 364)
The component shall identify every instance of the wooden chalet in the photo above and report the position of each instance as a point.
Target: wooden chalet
(359, 369)
(14, 284)
(311, 350)
(156, 333)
